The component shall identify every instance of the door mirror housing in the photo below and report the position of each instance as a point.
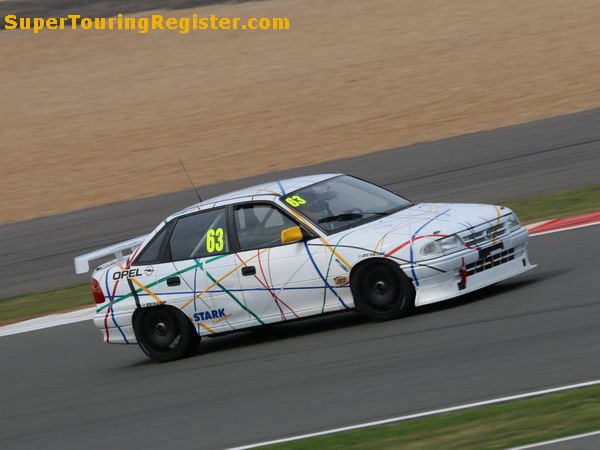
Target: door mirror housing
(291, 234)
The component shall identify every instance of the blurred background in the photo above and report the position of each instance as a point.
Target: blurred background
(96, 117)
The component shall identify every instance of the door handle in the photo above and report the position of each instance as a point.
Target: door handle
(173, 281)
(248, 270)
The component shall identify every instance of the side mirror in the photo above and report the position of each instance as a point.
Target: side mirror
(291, 234)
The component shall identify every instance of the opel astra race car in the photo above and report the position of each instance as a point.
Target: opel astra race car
(292, 249)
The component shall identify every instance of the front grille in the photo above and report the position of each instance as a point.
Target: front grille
(490, 261)
(489, 233)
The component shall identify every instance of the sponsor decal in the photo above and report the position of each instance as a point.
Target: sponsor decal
(209, 315)
(371, 254)
(341, 281)
(131, 273)
(148, 271)
(150, 304)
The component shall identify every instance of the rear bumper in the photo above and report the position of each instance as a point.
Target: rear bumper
(468, 270)
(116, 327)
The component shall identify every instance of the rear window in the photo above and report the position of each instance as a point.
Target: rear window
(151, 253)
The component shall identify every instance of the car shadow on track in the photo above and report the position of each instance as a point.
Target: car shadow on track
(346, 319)
(502, 288)
(265, 334)
(282, 330)
(340, 320)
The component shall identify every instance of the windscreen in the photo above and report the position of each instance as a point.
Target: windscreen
(344, 202)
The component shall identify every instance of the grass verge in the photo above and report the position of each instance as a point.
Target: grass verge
(557, 205)
(492, 427)
(29, 306)
(529, 210)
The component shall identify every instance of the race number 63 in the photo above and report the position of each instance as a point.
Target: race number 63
(295, 200)
(214, 240)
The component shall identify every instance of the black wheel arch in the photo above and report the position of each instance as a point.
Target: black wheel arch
(139, 310)
(378, 260)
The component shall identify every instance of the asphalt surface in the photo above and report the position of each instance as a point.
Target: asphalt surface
(63, 388)
(492, 166)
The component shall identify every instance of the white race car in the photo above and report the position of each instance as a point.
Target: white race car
(296, 248)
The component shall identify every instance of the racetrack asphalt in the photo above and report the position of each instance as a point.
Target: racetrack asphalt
(63, 388)
(491, 166)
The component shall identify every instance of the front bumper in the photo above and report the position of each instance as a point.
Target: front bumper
(470, 269)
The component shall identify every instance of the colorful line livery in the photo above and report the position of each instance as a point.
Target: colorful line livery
(296, 248)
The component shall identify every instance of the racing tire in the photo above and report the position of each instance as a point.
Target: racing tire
(165, 334)
(382, 291)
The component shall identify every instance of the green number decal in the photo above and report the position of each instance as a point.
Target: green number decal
(295, 201)
(215, 240)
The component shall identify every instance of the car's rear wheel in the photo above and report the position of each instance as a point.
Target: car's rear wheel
(382, 291)
(164, 333)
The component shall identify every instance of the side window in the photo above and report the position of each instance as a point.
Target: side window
(151, 253)
(199, 235)
(259, 226)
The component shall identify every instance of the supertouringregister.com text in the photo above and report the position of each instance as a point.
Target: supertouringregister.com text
(143, 25)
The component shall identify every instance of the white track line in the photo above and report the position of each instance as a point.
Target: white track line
(422, 414)
(53, 320)
(81, 315)
(556, 441)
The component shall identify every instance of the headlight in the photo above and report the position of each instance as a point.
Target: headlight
(442, 245)
(512, 221)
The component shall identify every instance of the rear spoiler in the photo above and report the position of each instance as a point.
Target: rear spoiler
(82, 263)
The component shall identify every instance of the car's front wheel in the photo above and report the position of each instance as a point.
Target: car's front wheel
(164, 333)
(382, 291)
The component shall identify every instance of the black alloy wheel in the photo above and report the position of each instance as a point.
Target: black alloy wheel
(164, 333)
(382, 291)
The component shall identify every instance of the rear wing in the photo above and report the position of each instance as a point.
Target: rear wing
(82, 263)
